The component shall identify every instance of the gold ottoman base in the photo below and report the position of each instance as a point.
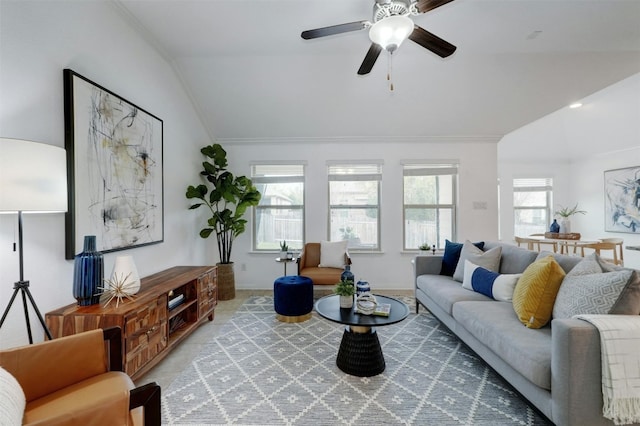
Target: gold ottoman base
(297, 318)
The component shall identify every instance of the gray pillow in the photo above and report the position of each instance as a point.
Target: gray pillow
(587, 266)
(629, 301)
(489, 259)
(589, 293)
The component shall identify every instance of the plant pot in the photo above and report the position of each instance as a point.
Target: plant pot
(565, 226)
(226, 281)
(346, 302)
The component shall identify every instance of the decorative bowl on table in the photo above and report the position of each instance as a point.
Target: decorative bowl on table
(366, 303)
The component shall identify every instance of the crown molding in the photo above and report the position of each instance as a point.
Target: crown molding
(360, 140)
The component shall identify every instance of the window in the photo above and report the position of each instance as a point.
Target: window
(354, 203)
(429, 191)
(531, 205)
(280, 214)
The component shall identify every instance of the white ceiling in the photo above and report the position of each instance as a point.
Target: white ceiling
(251, 75)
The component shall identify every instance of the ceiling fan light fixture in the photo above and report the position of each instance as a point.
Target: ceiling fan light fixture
(391, 31)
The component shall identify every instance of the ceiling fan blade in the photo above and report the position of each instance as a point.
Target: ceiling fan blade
(334, 29)
(427, 5)
(432, 42)
(370, 59)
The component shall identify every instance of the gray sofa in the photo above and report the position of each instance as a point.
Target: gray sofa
(556, 368)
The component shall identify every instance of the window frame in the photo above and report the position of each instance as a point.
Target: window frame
(353, 171)
(277, 179)
(528, 185)
(431, 168)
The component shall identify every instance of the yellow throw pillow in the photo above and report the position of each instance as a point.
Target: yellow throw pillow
(536, 291)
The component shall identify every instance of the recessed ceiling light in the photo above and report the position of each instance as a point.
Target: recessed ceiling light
(575, 105)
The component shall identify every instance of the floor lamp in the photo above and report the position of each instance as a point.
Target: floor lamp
(33, 179)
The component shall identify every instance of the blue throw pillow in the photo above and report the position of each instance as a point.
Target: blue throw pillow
(452, 256)
(491, 284)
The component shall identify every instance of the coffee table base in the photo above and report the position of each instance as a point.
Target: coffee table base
(360, 354)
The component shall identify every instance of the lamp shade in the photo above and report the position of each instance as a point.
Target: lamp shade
(33, 177)
(390, 32)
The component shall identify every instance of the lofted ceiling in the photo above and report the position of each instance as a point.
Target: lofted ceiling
(251, 76)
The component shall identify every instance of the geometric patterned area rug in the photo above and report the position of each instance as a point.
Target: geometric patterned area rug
(260, 371)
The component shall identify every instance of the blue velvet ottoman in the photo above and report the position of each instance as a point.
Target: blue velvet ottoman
(293, 298)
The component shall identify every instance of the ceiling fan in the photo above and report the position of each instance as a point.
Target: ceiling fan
(390, 27)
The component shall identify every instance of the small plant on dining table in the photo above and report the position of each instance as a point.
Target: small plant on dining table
(568, 212)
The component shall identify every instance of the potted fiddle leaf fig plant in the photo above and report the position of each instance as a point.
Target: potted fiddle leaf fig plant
(227, 197)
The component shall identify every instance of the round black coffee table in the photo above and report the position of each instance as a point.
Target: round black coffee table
(360, 353)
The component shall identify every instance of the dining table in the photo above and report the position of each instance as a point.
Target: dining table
(565, 244)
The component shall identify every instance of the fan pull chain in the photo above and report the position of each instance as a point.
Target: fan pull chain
(390, 70)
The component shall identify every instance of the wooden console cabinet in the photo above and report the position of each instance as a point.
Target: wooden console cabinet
(149, 328)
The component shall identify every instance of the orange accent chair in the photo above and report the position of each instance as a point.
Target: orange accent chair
(78, 380)
(308, 266)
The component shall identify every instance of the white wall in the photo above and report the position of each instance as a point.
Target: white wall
(575, 147)
(390, 269)
(38, 39)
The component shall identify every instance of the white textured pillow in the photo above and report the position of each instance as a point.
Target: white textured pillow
(489, 259)
(12, 399)
(332, 254)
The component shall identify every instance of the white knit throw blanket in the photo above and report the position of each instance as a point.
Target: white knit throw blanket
(620, 346)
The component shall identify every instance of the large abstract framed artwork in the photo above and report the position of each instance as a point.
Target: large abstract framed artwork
(622, 200)
(114, 168)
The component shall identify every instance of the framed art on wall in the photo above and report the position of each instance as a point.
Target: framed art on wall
(622, 200)
(114, 168)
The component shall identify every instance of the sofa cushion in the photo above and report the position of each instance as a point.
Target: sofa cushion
(536, 292)
(497, 326)
(444, 291)
(332, 254)
(452, 255)
(322, 276)
(489, 259)
(566, 262)
(514, 260)
(12, 399)
(491, 284)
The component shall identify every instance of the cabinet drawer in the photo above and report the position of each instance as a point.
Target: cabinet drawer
(143, 349)
(207, 292)
(146, 334)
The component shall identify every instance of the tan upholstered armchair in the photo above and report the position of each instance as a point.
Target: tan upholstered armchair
(77, 380)
(308, 266)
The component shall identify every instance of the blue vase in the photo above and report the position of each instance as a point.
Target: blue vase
(347, 275)
(555, 227)
(362, 287)
(88, 273)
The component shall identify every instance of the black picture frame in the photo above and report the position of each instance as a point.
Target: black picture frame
(114, 169)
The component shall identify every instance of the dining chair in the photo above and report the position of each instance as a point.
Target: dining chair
(553, 244)
(619, 242)
(599, 247)
(530, 242)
